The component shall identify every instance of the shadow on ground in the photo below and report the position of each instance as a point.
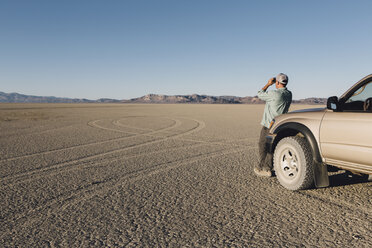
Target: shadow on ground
(346, 178)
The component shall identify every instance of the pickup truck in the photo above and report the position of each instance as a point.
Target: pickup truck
(304, 142)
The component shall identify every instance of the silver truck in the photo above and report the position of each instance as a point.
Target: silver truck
(304, 142)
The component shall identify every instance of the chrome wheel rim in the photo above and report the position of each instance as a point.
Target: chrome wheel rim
(289, 164)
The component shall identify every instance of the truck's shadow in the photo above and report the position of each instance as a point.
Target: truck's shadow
(345, 178)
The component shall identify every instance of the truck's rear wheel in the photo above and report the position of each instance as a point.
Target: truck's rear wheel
(293, 163)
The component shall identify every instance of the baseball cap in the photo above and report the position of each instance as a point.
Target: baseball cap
(282, 78)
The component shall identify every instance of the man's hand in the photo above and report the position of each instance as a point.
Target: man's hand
(269, 83)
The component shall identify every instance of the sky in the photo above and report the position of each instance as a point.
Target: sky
(129, 48)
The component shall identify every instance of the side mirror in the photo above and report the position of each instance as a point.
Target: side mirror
(333, 103)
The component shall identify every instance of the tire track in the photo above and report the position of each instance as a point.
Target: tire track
(193, 140)
(198, 143)
(137, 175)
(19, 176)
(231, 143)
(89, 191)
(64, 149)
(118, 123)
(174, 125)
(81, 146)
(94, 124)
(97, 164)
(86, 165)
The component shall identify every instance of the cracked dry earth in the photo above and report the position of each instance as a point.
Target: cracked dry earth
(93, 175)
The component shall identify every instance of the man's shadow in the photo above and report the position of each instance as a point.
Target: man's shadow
(341, 178)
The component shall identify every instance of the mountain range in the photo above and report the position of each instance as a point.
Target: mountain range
(150, 98)
(20, 98)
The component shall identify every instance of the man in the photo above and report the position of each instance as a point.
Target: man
(277, 103)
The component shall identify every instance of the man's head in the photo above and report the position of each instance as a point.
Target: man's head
(281, 80)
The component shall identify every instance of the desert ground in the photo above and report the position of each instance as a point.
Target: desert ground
(92, 175)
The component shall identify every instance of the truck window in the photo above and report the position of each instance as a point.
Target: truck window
(356, 101)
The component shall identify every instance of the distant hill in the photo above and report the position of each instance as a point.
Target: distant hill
(150, 98)
(311, 100)
(154, 98)
(20, 98)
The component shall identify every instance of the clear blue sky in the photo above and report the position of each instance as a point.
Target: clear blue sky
(129, 48)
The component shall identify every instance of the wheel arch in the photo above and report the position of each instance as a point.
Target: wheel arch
(293, 129)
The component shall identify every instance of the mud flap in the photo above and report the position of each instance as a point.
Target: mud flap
(320, 175)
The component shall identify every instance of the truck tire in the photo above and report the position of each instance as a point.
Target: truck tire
(293, 163)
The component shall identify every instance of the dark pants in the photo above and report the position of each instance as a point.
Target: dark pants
(265, 159)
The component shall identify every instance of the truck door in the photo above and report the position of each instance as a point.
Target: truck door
(346, 136)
